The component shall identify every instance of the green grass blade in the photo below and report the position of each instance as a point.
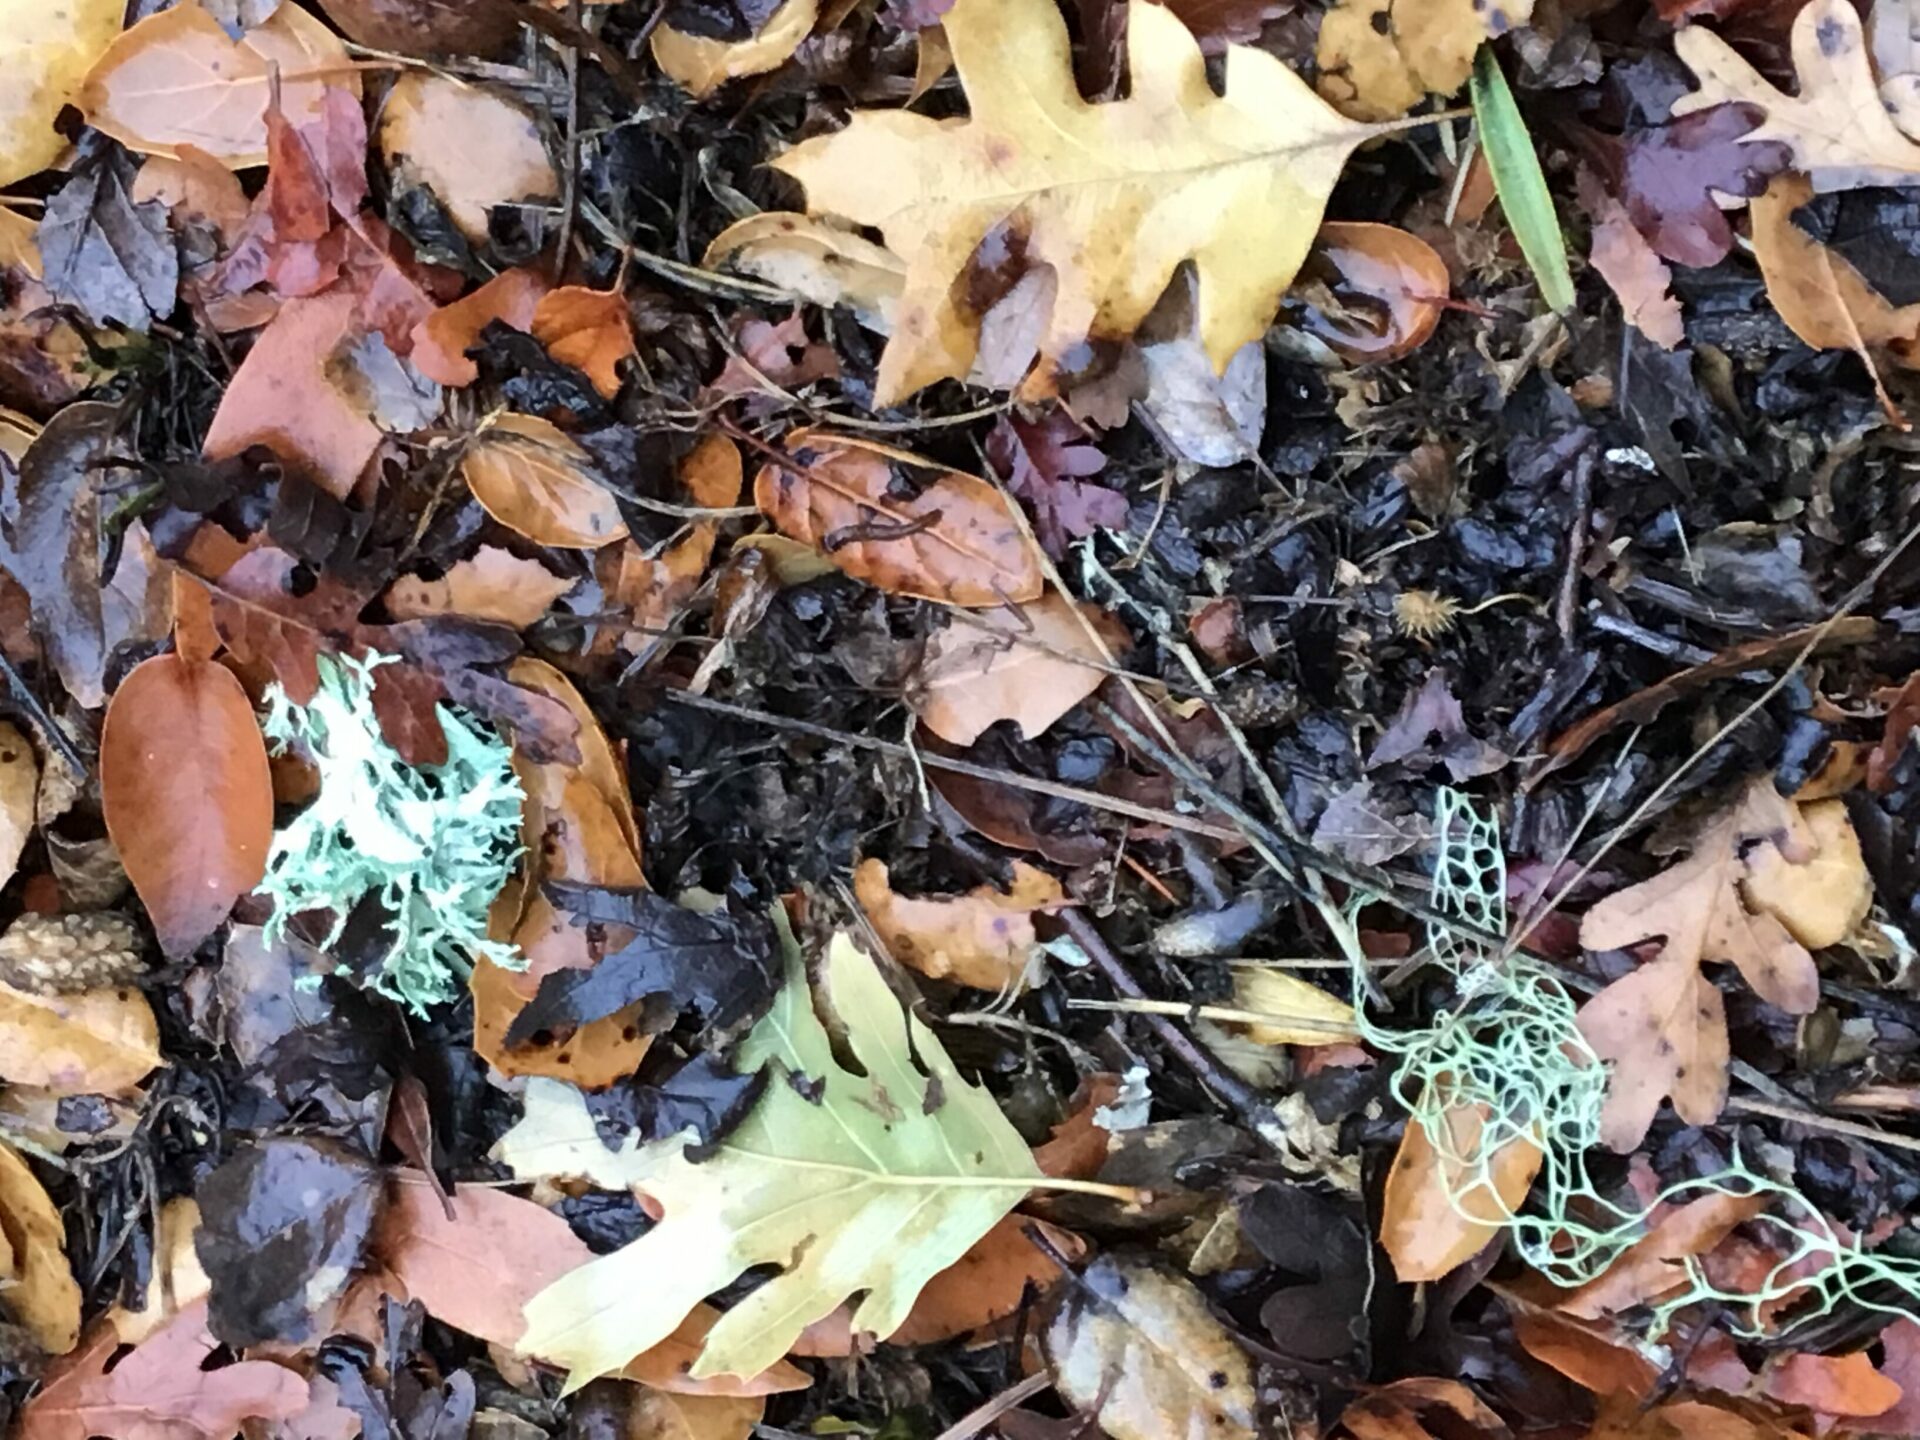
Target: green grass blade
(1518, 181)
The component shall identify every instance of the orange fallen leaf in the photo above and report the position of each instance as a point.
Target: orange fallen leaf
(1392, 287)
(1397, 1411)
(535, 481)
(1078, 1145)
(654, 588)
(1030, 664)
(1582, 1353)
(1625, 1418)
(1823, 900)
(282, 398)
(989, 1283)
(1832, 1384)
(178, 79)
(493, 584)
(984, 938)
(1433, 1216)
(441, 341)
(590, 330)
(450, 1265)
(187, 794)
(159, 1391)
(954, 540)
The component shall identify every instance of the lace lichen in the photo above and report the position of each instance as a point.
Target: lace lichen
(1512, 1044)
(433, 845)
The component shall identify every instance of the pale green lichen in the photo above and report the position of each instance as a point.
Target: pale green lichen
(1512, 1044)
(434, 843)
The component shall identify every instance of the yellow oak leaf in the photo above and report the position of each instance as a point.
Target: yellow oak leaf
(1380, 58)
(1113, 196)
(44, 54)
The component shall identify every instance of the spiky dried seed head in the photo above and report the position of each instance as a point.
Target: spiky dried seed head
(1424, 614)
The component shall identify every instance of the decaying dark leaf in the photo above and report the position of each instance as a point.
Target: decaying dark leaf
(720, 963)
(282, 1226)
(111, 258)
(1045, 463)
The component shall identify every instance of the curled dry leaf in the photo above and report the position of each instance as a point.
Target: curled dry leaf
(1113, 196)
(538, 483)
(1664, 1025)
(178, 79)
(493, 584)
(983, 938)
(44, 56)
(590, 330)
(1304, 1014)
(187, 794)
(96, 1041)
(470, 147)
(1137, 1348)
(1434, 1217)
(1377, 59)
(955, 540)
(1819, 294)
(449, 1264)
(817, 260)
(41, 1292)
(1821, 901)
(441, 341)
(19, 793)
(1030, 664)
(701, 65)
(1390, 285)
(160, 1391)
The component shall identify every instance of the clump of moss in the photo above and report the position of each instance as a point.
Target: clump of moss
(432, 845)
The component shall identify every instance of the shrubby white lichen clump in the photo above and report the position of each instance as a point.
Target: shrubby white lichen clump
(434, 843)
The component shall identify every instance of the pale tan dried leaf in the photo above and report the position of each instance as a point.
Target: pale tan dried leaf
(1839, 131)
(470, 147)
(43, 1295)
(538, 483)
(1137, 1348)
(494, 584)
(1664, 1028)
(97, 1040)
(817, 260)
(1439, 1212)
(1696, 905)
(662, 1415)
(1638, 277)
(984, 938)
(1818, 294)
(1304, 1014)
(177, 1279)
(701, 65)
(177, 78)
(1823, 900)
(1030, 664)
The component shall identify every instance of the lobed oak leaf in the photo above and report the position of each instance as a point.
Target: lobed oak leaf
(876, 1185)
(160, 1391)
(1030, 664)
(951, 539)
(1378, 59)
(1836, 125)
(471, 148)
(1821, 900)
(1667, 175)
(701, 64)
(178, 79)
(1664, 1028)
(187, 793)
(1045, 462)
(1114, 197)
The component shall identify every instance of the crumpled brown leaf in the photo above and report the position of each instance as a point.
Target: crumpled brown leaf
(984, 938)
(1030, 664)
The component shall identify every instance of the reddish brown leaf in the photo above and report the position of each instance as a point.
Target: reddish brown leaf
(1655, 1264)
(1636, 275)
(440, 341)
(1397, 1411)
(590, 330)
(538, 483)
(1043, 462)
(777, 354)
(1078, 1145)
(1392, 288)
(1582, 1353)
(953, 541)
(1832, 1384)
(187, 794)
(989, 1283)
(1666, 176)
(160, 1391)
